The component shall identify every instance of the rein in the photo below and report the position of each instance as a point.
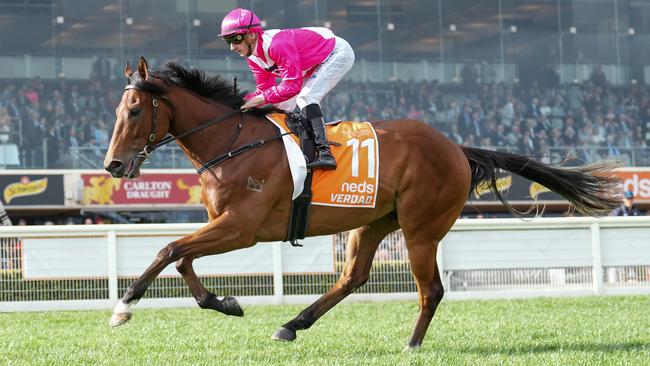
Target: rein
(149, 148)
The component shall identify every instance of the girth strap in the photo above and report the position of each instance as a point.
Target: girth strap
(300, 207)
(299, 216)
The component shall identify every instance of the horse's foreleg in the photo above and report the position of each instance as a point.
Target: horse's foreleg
(122, 312)
(219, 236)
(206, 300)
(360, 250)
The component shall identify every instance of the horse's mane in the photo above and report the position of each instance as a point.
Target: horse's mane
(207, 85)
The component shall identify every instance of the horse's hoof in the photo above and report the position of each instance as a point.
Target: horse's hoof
(284, 334)
(119, 319)
(231, 306)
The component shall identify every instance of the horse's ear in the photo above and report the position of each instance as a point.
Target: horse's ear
(127, 70)
(143, 68)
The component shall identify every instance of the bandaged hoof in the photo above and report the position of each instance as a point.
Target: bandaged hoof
(122, 313)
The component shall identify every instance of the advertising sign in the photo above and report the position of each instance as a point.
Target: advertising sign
(516, 188)
(161, 189)
(32, 190)
(637, 181)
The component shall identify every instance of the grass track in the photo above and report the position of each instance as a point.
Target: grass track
(562, 331)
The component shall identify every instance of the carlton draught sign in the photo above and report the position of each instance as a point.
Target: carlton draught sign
(152, 189)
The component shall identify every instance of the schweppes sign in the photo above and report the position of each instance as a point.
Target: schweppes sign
(24, 188)
(19, 190)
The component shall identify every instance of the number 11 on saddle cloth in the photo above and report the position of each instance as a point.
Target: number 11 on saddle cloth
(354, 182)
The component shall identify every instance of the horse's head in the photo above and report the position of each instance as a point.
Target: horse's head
(139, 123)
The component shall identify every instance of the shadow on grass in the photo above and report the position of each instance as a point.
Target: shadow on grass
(555, 347)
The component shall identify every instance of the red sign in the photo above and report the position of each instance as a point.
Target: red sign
(102, 189)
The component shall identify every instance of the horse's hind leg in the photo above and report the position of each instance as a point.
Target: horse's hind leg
(206, 300)
(424, 224)
(361, 247)
(422, 256)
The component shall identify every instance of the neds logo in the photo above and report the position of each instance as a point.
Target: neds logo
(640, 186)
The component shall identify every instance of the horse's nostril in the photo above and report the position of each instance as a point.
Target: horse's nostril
(114, 166)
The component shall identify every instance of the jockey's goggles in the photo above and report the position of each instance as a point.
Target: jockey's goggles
(235, 38)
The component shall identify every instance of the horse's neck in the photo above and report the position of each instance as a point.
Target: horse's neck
(211, 142)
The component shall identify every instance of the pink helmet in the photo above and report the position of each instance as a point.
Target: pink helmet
(240, 21)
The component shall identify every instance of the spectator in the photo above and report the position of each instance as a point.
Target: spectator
(627, 208)
(570, 137)
(587, 154)
(598, 77)
(548, 77)
(100, 134)
(4, 218)
(468, 76)
(508, 110)
(527, 145)
(7, 247)
(488, 73)
(453, 134)
(102, 69)
(611, 150)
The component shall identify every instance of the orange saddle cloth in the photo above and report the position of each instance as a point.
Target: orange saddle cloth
(354, 182)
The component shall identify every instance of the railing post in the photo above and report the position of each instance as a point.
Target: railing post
(112, 266)
(278, 282)
(597, 259)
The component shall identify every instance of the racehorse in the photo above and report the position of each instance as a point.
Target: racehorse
(424, 182)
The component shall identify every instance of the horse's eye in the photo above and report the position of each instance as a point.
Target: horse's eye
(135, 112)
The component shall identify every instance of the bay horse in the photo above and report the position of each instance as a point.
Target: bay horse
(424, 182)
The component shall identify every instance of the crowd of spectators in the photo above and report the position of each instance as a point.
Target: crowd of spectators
(47, 119)
(592, 120)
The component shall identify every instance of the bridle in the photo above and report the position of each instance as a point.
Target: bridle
(143, 155)
(149, 148)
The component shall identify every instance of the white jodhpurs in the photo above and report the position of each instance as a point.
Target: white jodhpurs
(324, 79)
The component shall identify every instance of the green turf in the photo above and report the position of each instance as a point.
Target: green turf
(565, 331)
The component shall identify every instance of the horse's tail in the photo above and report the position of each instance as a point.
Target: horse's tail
(592, 189)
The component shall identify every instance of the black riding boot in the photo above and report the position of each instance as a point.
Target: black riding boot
(324, 158)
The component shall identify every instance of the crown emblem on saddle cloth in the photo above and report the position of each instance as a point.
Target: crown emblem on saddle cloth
(255, 185)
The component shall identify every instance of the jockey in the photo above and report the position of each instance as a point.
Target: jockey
(309, 61)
